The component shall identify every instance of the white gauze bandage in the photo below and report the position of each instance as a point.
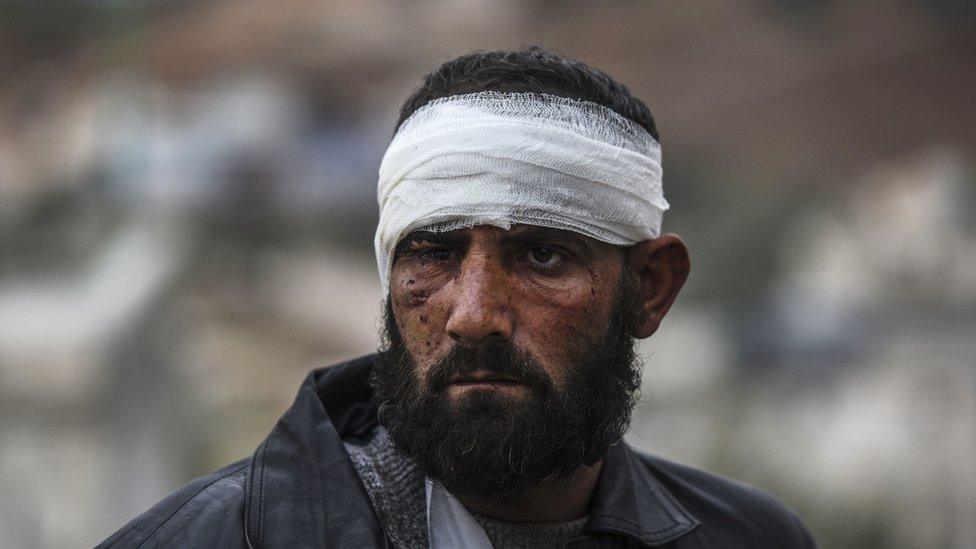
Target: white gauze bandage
(500, 159)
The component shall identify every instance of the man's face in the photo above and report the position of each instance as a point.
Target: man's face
(508, 358)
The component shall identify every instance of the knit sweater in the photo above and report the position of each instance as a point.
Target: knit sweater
(396, 487)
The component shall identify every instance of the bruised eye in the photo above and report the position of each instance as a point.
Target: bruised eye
(542, 256)
(435, 254)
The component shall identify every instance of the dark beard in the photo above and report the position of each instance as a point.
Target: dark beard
(491, 446)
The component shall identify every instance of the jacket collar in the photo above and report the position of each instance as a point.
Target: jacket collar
(631, 502)
(303, 490)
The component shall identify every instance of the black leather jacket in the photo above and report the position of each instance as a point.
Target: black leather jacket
(299, 489)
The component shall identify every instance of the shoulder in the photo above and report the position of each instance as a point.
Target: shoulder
(207, 512)
(732, 513)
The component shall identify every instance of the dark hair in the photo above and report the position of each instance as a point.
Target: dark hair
(532, 70)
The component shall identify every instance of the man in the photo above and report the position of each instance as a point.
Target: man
(520, 250)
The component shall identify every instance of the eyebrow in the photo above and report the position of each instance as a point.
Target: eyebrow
(531, 234)
(521, 233)
(518, 234)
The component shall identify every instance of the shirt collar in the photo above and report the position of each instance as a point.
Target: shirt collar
(630, 501)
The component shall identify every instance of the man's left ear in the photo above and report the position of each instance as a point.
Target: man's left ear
(662, 266)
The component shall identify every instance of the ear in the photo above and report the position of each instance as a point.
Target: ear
(662, 266)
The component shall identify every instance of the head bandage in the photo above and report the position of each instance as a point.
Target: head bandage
(500, 159)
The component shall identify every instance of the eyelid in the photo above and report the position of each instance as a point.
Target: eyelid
(425, 253)
(557, 252)
(431, 246)
(414, 246)
(556, 248)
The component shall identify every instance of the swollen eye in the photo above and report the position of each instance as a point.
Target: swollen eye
(438, 254)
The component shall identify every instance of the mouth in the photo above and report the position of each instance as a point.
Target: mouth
(485, 381)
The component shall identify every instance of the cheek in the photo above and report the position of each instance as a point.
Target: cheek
(557, 325)
(570, 302)
(580, 287)
(421, 315)
(410, 290)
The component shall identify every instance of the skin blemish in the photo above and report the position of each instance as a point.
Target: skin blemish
(423, 319)
(592, 290)
(414, 296)
(410, 281)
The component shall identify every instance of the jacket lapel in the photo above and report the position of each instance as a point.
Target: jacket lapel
(631, 502)
(302, 489)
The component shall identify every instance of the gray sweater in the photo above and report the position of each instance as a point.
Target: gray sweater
(396, 487)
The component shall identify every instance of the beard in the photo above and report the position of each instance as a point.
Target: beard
(490, 446)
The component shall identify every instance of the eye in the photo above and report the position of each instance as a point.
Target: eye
(435, 255)
(543, 256)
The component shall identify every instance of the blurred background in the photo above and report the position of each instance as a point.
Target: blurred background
(187, 206)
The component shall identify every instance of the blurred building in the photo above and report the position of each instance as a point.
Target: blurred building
(187, 204)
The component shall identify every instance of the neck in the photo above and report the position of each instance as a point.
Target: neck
(559, 500)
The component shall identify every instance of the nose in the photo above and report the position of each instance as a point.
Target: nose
(481, 311)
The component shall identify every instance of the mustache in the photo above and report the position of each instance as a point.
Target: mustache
(498, 358)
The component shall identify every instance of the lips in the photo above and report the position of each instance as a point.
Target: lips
(483, 377)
